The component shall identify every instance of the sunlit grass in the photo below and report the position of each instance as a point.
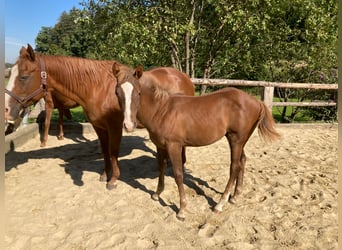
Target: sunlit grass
(77, 115)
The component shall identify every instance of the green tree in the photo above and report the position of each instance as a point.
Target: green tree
(288, 41)
(67, 37)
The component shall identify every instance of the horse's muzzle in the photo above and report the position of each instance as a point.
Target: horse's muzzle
(129, 127)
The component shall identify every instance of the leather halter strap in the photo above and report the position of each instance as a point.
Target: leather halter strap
(25, 102)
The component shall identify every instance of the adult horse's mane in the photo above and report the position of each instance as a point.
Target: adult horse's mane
(76, 73)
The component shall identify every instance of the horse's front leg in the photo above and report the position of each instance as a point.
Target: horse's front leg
(161, 158)
(115, 135)
(48, 109)
(104, 143)
(174, 151)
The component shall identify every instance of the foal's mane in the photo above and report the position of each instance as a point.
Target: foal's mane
(162, 93)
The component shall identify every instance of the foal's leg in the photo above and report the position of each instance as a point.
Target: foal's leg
(175, 153)
(161, 158)
(239, 181)
(236, 149)
(183, 157)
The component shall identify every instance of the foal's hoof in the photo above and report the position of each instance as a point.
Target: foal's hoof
(232, 200)
(216, 211)
(181, 217)
(111, 186)
(155, 197)
(43, 144)
(60, 137)
(218, 208)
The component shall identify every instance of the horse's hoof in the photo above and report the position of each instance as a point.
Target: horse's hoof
(155, 197)
(181, 217)
(111, 186)
(217, 209)
(43, 144)
(232, 200)
(103, 178)
(60, 137)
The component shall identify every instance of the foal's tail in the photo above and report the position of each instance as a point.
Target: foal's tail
(266, 125)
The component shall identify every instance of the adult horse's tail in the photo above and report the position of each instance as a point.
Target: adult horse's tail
(266, 125)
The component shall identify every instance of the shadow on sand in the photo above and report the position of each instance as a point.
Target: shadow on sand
(84, 155)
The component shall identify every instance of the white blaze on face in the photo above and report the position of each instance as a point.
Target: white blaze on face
(10, 86)
(127, 88)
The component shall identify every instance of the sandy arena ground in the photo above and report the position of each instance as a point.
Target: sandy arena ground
(54, 199)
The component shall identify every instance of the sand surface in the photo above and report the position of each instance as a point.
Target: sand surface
(54, 199)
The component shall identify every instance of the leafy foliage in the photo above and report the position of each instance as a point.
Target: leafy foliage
(287, 41)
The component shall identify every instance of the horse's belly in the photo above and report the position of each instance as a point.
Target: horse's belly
(204, 137)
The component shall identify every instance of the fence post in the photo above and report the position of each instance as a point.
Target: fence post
(268, 97)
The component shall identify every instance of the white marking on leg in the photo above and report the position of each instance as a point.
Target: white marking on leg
(223, 200)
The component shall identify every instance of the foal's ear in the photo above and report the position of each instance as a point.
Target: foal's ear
(115, 68)
(138, 71)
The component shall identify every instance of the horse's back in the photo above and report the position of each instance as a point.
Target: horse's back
(171, 79)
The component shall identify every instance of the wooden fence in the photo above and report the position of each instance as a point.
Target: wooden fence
(269, 90)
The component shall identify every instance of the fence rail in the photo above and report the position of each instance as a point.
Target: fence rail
(269, 90)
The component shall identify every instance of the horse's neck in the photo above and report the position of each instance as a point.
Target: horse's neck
(73, 79)
(152, 109)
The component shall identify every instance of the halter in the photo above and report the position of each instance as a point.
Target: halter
(42, 88)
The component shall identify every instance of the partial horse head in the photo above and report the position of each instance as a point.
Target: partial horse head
(128, 92)
(11, 126)
(27, 81)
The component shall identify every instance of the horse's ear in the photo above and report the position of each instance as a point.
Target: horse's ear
(22, 52)
(115, 68)
(138, 71)
(31, 55)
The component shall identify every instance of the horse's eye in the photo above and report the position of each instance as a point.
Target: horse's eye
(23, 77)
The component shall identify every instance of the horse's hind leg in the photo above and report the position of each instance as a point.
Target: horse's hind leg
(236, 149)
(60, 123)
(239, 180)
(175, 154)
(161, 158)
(183, 156)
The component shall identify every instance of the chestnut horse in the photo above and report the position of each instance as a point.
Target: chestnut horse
(175, 121)
(52, 100)
(91, 84)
